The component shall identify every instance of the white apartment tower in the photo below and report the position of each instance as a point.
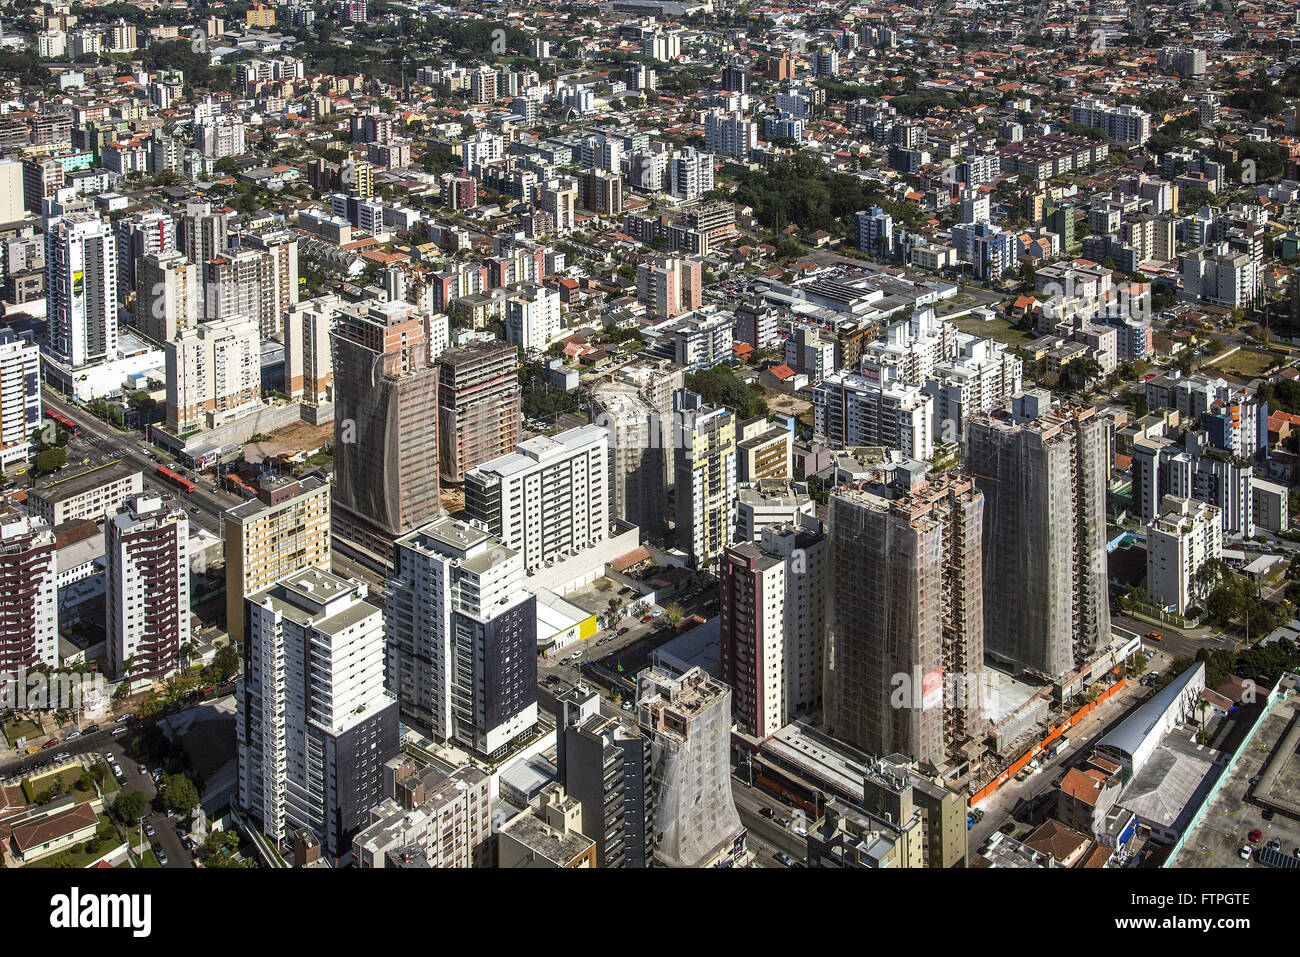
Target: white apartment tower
(315, 724)
(548, 499)
(214, 373)
(81, 277)
(20, 396)
(1185, 536)
(462, 656)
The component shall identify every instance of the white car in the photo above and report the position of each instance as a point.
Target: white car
(1244, 853)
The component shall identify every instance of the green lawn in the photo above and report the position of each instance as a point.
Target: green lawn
(1246, 363)
(21, 729)
(33, 786)
(1003, 330)
(149, 860)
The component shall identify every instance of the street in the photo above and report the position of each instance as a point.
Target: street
(96, 746)
(203, 505)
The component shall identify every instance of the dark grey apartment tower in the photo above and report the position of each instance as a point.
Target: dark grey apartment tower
(605, 766)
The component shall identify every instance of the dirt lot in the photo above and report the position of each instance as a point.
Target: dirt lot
(298, 437)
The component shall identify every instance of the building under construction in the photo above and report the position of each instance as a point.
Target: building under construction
(1043, 474)
(385, 432)
(905, 628)
(637, 452)
(688, 720)
(478, 406)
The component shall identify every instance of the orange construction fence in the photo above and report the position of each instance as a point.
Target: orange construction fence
(1038, 748)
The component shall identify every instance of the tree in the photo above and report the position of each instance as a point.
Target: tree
(1083, 370)
(51, 460)
(179, 794)
(130, 806)
(225, 664)
(674, 614)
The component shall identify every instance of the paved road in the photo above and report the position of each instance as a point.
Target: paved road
(763, 830)
(203, 505)
(1173, 641)
(96, 746)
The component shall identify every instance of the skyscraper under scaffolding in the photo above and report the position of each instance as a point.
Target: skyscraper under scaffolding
(906, 625)
(1043, 475)
(385, 431)
(688, 720)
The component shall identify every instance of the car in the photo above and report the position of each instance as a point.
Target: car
(50, 743)
(1155, 636)
(656, 613)
(1295, 852)
(116, 731)
(62, 756)
(784, 858)
(783, 821)
(799, 830)
(124, 719)
(1244, 853)
(647, 618)
(1275, 844)
(624, 631)
(148, 829)
(767, 812)
(91, 730)
(142, 769)
(1255, 835)
(1267, 814)
(162, 858)
(627, 706)
(71, 734)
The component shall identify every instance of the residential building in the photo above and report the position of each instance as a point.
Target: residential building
(444, 817)
(20, 396)
(385, 430)
(167, 295)
(637, 469)
(770, 502)
(687, 718)
(147, 589)
(548, 836)
(763, 450)
(81, 282)
(314, 724)
(906, 622)
(87, 496)
(308, 358)
(874, 409)
(705, 462)
(1185, 536)
(605, 765)
(214, 374)
(285, 529)
(772, 601)
(1043, 472)
(462, 637)
(29, 626)
(548, 499)
(478, 406)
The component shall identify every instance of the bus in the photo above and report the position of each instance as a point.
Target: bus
(63, 422)
(180, 481)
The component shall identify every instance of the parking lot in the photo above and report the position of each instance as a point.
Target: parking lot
(1237, 811)
(109, 743)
